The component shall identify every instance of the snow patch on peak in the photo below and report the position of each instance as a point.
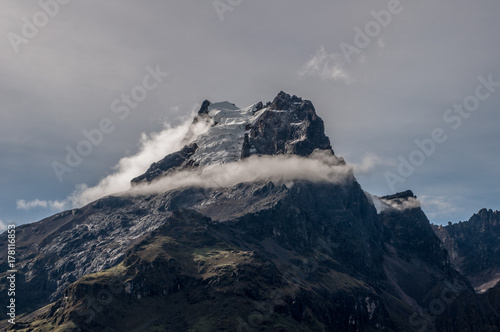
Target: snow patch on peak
(223, 143)
(224, 105)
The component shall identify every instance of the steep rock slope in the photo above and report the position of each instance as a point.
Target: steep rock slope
(263, 255)
(474, 247)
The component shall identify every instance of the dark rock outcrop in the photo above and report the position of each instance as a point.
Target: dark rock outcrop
(400, 196)
(204, 107)
(291, 126)
(474, 247)
(172, 162)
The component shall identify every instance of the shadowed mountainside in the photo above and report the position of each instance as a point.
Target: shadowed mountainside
(474, 248)
(265, 255)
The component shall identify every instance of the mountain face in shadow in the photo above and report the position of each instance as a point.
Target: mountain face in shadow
(474, 248)
(279, 250)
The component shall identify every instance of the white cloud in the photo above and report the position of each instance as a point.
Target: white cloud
(401, 205)
(321, 166)
(153, 148)
(368, 162)
(327, 66)
(29, 205)
(24, 205)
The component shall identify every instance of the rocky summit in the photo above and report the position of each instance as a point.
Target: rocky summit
(474, 248)
(288, 125)
(306, 251)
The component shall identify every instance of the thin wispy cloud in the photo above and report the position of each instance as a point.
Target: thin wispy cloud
(320, 166)
(153, 147)
(35, 204)
(401, 205)
(382, 204)
(368, 163)
(327, 66)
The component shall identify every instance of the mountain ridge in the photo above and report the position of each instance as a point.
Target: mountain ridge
(277, 253)
(474, 247)
(286, 126)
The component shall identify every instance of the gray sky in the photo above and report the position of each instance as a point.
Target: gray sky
(395, 88)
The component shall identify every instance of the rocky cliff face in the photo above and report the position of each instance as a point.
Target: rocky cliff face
(287, 126)
(474, 248)
(267, 255)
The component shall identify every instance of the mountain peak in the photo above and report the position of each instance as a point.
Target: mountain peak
(284, 101)
(287, 125)
(486, 216)
(204, 107)
(400, 196)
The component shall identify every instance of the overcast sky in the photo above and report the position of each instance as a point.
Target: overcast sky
(377, 90)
